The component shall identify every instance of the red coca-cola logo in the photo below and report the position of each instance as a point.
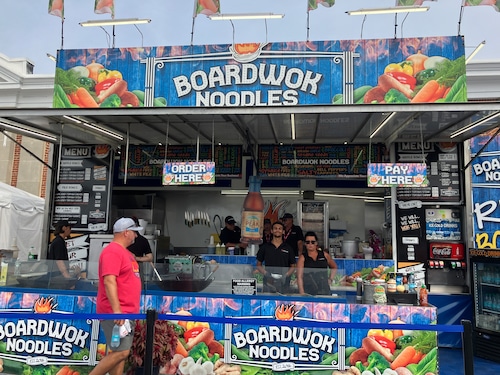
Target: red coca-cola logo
(442, 251)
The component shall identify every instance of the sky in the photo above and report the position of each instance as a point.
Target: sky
(28, 31)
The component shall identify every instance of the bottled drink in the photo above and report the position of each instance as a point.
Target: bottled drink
(423, 296)
(405, 283)
(411, 283)
(252, 218)
(115, 336)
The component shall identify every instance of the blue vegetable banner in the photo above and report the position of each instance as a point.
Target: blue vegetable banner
(485, 170)
(406, 70)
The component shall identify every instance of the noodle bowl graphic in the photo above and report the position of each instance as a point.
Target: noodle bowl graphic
(374, 179)
(169, 178)
(207, 176)
(418, 179)
(246, 52)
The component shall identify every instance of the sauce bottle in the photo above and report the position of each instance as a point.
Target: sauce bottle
(391, 284)
(252, 217)
(423, 296)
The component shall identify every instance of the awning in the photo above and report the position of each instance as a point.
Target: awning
(251, 126)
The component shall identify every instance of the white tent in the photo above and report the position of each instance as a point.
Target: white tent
(21, 220)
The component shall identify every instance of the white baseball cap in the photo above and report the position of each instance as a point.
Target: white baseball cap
(125, 223)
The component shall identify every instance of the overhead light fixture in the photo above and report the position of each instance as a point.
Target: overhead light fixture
(476, 50)
(31, 133)
(244, 16)
(263, 192)
(95, 127)
(292, 124)
(402, 9)
(382, 124)
(115, 22)
(52, 57)
(348, 196)
(474, 124)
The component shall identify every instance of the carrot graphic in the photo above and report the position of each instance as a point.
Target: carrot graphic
(404, 358)
(86, 99)
(426, 92)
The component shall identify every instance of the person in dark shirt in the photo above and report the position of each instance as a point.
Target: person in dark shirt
(276, 261)
(293, 234)
(230, 236)
(141, 250)
(267, 234)
(59, 252)
(315, 268)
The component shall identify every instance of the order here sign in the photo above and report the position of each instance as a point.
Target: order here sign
(397, 174)
(189, 173)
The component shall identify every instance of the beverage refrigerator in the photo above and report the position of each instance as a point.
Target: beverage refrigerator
(313, 216)
(485, 266)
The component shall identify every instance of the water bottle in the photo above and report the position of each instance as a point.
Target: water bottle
(17, 269)
(115, 337)
(411, 283)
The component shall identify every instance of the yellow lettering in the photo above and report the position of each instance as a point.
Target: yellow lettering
(483, 238)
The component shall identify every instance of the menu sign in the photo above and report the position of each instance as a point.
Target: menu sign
(410, 229)
(443, 171)
(82, 194)
(316, 161)
(146, 161)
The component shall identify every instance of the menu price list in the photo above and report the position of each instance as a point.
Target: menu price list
(342, 161)
(443, 173)
(146, 161)
(82, 192)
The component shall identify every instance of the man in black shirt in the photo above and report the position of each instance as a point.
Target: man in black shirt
(279, 260)
(231, 234)
(142, 251)
(293, 234)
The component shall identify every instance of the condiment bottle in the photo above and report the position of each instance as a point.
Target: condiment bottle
(252, 217)
(423, 296)
(391, 284)
(405, 283)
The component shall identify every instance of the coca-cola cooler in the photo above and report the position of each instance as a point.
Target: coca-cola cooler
(446, 265)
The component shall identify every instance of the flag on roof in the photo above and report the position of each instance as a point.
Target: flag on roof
(105, 6)
(206, 7)
(56, 8)
(313, 4)
(494, 3)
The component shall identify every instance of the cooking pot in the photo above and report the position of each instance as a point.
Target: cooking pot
(350, 248)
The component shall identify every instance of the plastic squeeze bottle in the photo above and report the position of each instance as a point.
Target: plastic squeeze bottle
(252, 218)
(423, 296)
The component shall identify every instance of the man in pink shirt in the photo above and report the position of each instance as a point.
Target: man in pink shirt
(119, 292)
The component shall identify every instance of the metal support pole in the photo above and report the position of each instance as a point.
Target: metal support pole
(467, 351)
(151, 316)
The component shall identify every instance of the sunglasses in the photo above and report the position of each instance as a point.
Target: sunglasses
(310, 242)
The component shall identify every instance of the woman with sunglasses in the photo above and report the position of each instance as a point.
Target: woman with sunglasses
(315, 268)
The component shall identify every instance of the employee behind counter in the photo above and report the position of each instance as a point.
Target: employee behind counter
(230, 236)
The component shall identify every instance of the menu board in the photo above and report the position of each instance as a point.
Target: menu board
(146, 161)
(316, 161)
(443, 171)
(82, 193)
(410, 232)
